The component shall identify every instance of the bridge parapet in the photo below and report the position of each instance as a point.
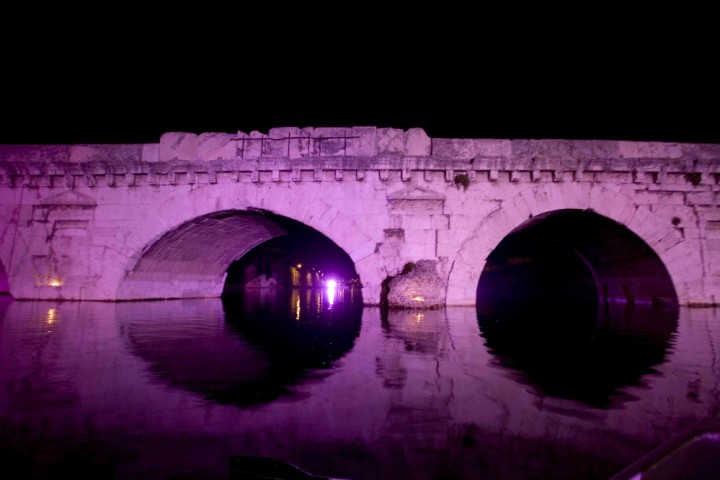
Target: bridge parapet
(316, 154)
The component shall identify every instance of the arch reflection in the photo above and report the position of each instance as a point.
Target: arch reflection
(244, 350)
(581, 354)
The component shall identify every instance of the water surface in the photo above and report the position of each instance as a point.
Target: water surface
(173, 389)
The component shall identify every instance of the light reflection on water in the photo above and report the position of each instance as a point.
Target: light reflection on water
(173, 389)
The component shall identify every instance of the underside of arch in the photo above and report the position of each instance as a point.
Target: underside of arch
(192, 259)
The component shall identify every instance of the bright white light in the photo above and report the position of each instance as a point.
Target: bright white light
(330, 285)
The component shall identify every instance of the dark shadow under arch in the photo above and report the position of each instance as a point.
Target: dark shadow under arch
(578, 303)
(245, 351)
(302, 258)
(574, 256)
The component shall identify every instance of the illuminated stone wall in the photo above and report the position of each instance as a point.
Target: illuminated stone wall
(164, 220)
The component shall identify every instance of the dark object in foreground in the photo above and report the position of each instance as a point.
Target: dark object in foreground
(261, 468)
(695, 453)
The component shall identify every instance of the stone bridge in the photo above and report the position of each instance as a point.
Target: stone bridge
(165, 220)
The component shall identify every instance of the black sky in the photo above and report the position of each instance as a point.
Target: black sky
(137, 112)
(68, 91)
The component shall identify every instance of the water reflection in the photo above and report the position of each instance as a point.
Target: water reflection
(151, 390)
(247, 350)
(419, 331)
(578, 351)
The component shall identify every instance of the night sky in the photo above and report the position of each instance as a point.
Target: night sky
(458, 84)
(138, 111)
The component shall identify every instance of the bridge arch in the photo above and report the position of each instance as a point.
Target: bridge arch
(191, 258)
(681, 262)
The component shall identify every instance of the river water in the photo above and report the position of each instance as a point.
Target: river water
(174, 389)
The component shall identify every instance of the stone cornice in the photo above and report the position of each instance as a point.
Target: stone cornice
(286, 152)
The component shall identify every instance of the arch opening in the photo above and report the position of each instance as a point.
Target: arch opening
(194, 259)
(578, 303)
(571, 257)
(302, 258)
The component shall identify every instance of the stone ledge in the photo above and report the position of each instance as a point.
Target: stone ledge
(298, 143)
(355, 150)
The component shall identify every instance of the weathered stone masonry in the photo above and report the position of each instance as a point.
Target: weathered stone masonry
(107, 222)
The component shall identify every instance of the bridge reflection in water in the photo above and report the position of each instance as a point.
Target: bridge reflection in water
(253, 349)
(163, 389)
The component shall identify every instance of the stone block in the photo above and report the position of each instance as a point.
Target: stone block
(460, 222)
(607, 203)
(251, 145)
(396, 221)
(468, 149)
(364, 142)
(677, 255)
(390, 141)
(88, 153)
(417, 250)
(417, 143)
(702, 198)
(274, 147)
(300, 145)
(417, 221)
(446, 250)
(150, 152)
(364, 250)
(455, 236)
(440, 222)
(178, 146)
(543, 150)
(215, 146)
(517, 210)
(284, 132)
(649, 150)
(417, 206)
(492, 148)
(594, 149)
